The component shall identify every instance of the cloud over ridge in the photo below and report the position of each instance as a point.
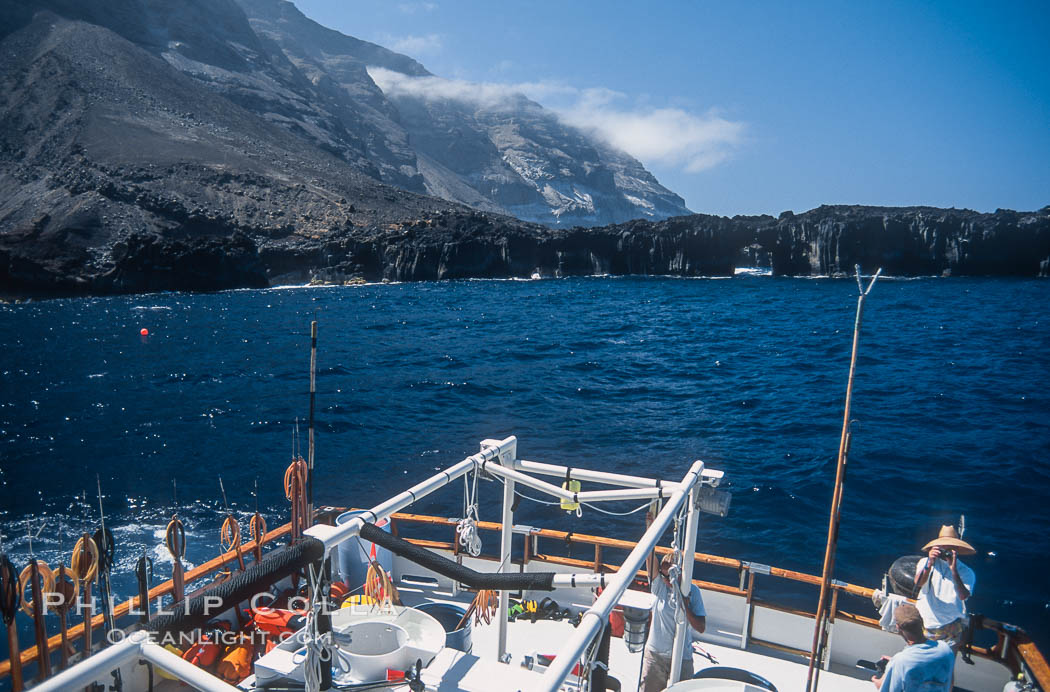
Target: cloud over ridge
(670, 136)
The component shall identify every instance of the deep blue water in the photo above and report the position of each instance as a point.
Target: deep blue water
(951, 409)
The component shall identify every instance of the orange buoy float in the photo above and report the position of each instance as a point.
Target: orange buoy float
(144, 332)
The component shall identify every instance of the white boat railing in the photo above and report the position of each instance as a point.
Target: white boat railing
(512, 471)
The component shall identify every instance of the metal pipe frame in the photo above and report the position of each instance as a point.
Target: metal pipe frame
(709, 476)
(648, 493)
(595, 617)
(506, 543)
(135, 646)
(332, 536)
(685, 584)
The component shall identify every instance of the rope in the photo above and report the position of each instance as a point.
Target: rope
(68, 589)
(47, 578)
(378, 585)
(175, 539)
(295, 491)
(85, 549)
(486, 605)
(257, 528)
(316, 646)
(616, 514)
(230, 534)
(467, 528)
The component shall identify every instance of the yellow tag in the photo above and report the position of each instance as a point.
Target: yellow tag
(572, 487)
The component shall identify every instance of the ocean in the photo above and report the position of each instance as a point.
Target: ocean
(951, 412)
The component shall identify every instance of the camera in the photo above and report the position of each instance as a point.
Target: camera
(880, 667)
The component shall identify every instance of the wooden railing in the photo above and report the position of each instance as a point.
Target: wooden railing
(1012, 647)
(204, 570)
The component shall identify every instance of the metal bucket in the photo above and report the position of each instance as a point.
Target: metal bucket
(635, 628)
(449, 616)
(355, 553)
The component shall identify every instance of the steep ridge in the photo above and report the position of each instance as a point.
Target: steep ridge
(511, 156)
(104, 142)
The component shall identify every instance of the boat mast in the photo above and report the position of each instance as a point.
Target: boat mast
(823, 618)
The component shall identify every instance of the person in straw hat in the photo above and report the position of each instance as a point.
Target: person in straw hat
(944, 584)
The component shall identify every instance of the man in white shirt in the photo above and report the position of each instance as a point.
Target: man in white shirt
(656, 661)
(944, 584)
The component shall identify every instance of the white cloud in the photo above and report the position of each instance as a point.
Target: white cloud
(413, 7)
(670, 136)
(414, 45)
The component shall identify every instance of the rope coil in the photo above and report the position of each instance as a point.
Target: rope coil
(67, 585)
(85, 550)
(47, 584)
(257, 528)
(175, 538)
(295, 491)
(230, 534)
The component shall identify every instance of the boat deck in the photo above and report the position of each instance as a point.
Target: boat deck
(526, 638)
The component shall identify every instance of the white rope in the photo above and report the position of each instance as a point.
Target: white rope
(467, 527)
(616, 514)
(317, 647)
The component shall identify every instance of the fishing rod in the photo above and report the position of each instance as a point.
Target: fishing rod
(230, 534)
(8, 609)
(40, 579)
(822, 622)
(175, 540)
(310, 450)
(106, 554)
(257, 525)
(68, 588)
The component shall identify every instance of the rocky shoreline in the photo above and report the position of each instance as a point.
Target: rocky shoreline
(208, 253)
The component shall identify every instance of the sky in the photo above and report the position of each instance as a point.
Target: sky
(754, 107)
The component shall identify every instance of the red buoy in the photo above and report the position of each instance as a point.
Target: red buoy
(144, 332)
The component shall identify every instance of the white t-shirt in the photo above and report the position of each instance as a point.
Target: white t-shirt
(661, 636)
(939, 603)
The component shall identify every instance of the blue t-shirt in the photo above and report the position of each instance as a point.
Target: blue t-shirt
(925, 667)
(661, 636)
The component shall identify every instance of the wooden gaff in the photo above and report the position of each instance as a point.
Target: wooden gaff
(821, 621)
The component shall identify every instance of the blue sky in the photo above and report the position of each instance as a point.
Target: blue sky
(746, 108)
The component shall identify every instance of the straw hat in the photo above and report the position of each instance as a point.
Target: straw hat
(949, 538)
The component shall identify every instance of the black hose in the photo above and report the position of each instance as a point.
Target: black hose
(193, 613)
(532, 581)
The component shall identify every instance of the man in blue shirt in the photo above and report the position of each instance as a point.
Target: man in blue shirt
(656, 661)
(924, 665)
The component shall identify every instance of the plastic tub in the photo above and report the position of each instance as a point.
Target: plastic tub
(449, 616)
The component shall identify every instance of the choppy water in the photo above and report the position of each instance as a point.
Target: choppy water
(638, 375)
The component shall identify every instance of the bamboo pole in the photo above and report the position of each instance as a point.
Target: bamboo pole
(820, 628)
(310, 452)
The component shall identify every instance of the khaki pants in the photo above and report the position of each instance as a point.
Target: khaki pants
(656, 671)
